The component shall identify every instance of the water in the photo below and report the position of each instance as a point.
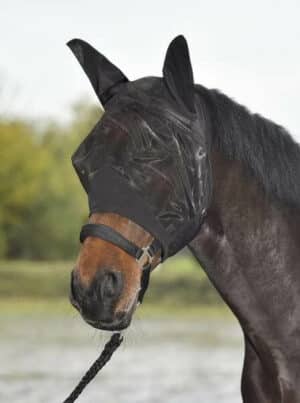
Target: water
(161, 361)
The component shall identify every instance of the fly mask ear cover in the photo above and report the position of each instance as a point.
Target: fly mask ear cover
(147, 158)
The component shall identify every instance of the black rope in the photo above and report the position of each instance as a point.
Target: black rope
(110, 347)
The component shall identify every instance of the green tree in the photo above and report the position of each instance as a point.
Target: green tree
(42, 202)
(23, 164)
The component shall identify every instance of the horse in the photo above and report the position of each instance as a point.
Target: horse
(244, 228)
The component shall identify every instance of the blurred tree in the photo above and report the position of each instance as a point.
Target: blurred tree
(23, 164)
(42, 203)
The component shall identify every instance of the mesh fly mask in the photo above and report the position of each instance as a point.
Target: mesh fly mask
(147, 158)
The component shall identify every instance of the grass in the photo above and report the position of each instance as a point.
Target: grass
(36, 307)
(178, 287)
(34, 279)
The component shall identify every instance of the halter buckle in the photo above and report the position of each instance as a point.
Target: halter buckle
(146, 257)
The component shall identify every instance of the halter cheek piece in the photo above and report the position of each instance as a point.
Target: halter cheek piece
(144, 256)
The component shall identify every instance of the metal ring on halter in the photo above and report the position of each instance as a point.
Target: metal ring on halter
(146, 254)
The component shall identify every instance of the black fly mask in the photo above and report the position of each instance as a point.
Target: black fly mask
(147, 158)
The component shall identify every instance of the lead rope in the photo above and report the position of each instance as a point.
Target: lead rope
(109, 348)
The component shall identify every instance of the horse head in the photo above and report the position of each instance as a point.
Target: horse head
(146, 172)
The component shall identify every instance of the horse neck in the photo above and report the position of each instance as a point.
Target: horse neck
(249, 246)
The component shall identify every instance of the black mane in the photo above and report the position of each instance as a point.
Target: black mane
(267, 149)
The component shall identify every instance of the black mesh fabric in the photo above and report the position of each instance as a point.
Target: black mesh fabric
(147, 160)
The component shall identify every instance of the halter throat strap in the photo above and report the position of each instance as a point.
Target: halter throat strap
(143, 256)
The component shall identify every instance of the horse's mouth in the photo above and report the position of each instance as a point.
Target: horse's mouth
(111, 326)
(120, 322)
(94, 314)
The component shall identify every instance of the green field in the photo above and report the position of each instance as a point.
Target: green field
(178, 287)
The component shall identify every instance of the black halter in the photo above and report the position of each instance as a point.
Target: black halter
(143, 256)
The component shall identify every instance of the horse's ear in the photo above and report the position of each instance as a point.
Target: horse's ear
(102, 74)
(178, 73)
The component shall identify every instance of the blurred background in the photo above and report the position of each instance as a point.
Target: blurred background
(184, 345)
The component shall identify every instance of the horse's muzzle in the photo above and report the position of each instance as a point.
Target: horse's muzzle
(97, 302)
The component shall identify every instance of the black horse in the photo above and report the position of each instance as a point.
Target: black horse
(178, 164)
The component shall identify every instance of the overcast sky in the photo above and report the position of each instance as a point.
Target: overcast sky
(248, 49)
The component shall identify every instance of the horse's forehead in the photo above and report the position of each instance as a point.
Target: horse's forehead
(144, 110)
(142, 93)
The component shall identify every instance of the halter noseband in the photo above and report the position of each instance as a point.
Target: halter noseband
(143, 256)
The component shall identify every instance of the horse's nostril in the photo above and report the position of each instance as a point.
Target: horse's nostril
(96, 301)
(111, 284)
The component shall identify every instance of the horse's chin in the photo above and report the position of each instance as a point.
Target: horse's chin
(121, 321)
(111, 326)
